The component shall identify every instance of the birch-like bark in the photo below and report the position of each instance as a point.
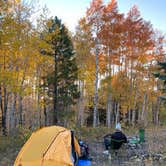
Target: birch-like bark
(109, 96)
(134, 108)
(96, 86)
(81, 105)
(157, 111)
(117, 113)
(144, 106)
(131, 90)
(109, 108)
(12, 111)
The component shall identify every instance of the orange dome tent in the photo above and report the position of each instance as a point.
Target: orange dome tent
(49, 146)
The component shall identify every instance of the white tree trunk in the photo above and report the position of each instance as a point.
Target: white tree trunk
(157, 111)
(144, 106)
(109, 96)
(12, 111)
(96, 86)
(81, 105)
(134, 108)
(117, 113)
(109, 108)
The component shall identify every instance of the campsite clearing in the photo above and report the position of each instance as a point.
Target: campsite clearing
(155, 140)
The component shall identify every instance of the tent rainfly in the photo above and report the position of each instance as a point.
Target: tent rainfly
(49, 146)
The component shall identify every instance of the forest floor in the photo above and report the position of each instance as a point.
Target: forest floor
(150, 153)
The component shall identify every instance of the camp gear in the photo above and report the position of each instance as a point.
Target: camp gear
(107, 140)
(117, 139)
(142, 135)
(133, 140)
(84, 150)
(84, 163)
(49, 146)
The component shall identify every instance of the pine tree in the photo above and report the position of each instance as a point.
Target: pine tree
(62, 80)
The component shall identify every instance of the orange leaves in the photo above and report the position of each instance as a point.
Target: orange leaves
(83, 25)
(94, 7)
(93, 15)
(134, 12)
(127, 45)
(82, 22)
(111, 6)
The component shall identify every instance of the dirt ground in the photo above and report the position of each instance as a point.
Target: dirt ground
(150, 153)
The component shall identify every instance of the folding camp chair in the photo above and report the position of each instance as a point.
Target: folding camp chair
(115, 146)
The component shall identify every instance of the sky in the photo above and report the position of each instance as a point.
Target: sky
(70, 11)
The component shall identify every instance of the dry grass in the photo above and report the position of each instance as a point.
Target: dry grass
(155, 143)
(155, 139)
(9, 147)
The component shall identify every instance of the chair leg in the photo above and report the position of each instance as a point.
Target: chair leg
(116, 152)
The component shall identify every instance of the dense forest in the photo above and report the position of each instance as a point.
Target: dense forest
(110, 69)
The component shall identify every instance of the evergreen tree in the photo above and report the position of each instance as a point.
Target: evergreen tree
(62, 79)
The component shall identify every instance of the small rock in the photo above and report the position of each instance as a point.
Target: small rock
(106, 152)
(109, 157)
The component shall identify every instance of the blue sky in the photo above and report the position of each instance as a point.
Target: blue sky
(69, 11)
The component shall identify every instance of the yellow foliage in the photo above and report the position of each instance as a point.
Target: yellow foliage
(120, 85)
